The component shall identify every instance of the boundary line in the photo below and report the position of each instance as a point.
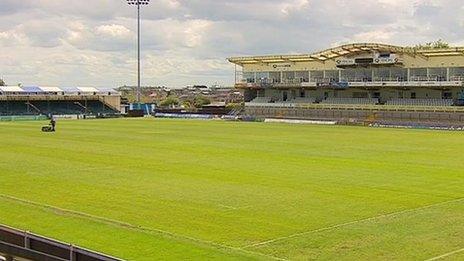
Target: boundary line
(122, 224)
(392, 214)
(446, 255)
(77, 170)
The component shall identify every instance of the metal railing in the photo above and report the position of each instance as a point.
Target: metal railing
(16, 244)
(347, 84)
(47, 97)
(368, 107)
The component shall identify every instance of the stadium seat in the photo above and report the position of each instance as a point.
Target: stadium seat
(303, 100)
(362, 101)
(95, 107)
(421, 102)
(261, 100)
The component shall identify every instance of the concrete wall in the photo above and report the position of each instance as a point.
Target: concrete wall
(385, 93)
(451, 118)
(113, 101)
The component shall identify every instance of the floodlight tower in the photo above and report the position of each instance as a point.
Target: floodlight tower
(138, 3)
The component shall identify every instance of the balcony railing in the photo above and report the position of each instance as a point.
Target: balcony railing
(355, 82)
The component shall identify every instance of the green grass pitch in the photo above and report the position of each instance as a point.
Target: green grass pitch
(145, 189)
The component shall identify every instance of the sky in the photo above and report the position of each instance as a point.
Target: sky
(186, 42)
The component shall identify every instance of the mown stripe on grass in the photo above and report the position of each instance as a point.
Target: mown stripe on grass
(446, 255)
(142, 229)
(392, 214)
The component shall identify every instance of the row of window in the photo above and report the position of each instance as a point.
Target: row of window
(56, 93)
(357, 75)
(362, 95)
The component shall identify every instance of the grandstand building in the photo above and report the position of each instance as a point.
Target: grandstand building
(37, 100)
(356, 81)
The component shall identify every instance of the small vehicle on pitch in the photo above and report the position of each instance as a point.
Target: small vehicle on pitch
(51, 126)
(47, 128)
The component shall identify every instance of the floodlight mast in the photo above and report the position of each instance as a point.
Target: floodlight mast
(138, 3)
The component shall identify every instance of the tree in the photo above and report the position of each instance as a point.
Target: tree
(2, 82)
(187, 104)
(201, 101)
(439, 44)
(170, 101)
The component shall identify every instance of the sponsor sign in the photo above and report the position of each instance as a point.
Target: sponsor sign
(386, 60)
(285, 65)
(337, 85)
(377, 60)
(345, 62)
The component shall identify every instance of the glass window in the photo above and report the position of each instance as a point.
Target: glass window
(357, 75)
(316, 76)
(274, 77)
(262, 77)
(360, 95)
(348, 75)
(332, 76)
(456, 73)
(288, 77)
(399, 74)
(418, 74)
(302, 76)
(447, 95)
(437, 74)
(363, 75)
(249, 77)
(382, 74)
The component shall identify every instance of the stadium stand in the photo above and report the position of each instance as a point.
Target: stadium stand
(350, 101)
(267, 101)
(303, 100)
(261, 100)
(356, 82)
(421, 102)
(35, 100)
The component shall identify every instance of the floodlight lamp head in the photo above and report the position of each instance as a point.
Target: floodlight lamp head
(138, 2)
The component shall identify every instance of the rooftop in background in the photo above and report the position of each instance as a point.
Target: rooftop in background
(344, 50)
(64, 90)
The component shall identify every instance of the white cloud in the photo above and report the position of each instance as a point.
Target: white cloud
(12, 38)
(113, 30)
(183, 42)
(378, 35)
(292, 6)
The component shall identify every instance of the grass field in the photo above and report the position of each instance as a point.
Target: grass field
(148, 189)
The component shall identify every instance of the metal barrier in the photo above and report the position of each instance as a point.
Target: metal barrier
(24, 118)
(359, 107)
(17, 244)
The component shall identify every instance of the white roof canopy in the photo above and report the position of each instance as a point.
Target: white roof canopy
(50, 89)
(87, 89)
(11, 89)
